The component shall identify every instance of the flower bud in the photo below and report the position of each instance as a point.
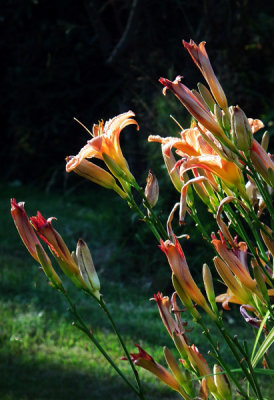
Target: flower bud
(240, 129)
(152, 189)
(208, 283)
(206, 95)
(267, 241)
(265, 140)
(87, 269)
(183, 377)
(222, 383)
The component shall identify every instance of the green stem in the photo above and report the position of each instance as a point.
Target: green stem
(253, 378)
(133, 205)
(104, 307)
(154, 219)
(82, 326)
(230, 343)
(221, 360)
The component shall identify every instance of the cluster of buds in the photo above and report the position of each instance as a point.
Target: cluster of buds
(78, 267)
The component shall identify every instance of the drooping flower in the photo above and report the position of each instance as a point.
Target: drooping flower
(144, 360)
(179, 267)
(32, 242)
(106, 142)
(164, 307)
(58, 248)
(200, 57)
(196, 108)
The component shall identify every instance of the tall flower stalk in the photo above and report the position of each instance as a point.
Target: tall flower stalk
(218, 160)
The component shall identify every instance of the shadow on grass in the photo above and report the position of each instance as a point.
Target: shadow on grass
(28, 380)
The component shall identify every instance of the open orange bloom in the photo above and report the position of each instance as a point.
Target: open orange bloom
(105, 141)
(227, 171)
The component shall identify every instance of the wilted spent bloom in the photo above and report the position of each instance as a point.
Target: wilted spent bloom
(58, 248)
(262, 162)
(144, 360)
(241, 132)
(199, 56)
(196, 108)
(152, 189)
(179, 267)
(87, 269)
(32, 243)
(164, 307)
(235, 259)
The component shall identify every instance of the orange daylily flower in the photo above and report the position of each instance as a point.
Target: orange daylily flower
(105, 141)
(200, 57)
(226, 170)
(190, 143)
(235, 259)
(32, 242)
(58, 248)
(179, 267)
(164, 307)
(144, 360)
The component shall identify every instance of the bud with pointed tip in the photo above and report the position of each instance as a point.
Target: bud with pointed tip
(152, 189)
(222, 383)
(240, 129)
(208, 283)
(182, 376)
(206, 95)
(87, 269)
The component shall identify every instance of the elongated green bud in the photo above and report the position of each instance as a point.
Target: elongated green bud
(208, 283)
(183, 377)
(240, 129)
(222, 383)
(265, 140)
(206, 95)
(87, 269)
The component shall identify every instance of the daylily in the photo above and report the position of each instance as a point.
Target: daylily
(179, 267)
(106, 142)
(262, 162)
(24, 227)
(227, 171)
(200, 57)
(58, 248)
(32, 242)
(234, 258)
(96, 174)
(164, 307)
(196, 108)
(144, 360)
(190, 143)
(228, 297)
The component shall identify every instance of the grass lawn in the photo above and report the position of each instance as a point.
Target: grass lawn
(42, 356)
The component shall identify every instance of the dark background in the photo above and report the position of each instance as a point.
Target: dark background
(96, 59)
